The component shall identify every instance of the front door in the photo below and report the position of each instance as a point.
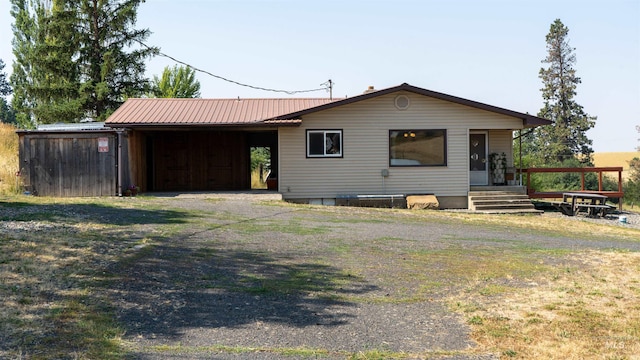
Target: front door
(478, 164)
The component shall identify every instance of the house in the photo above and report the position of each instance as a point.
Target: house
(399, 140)
(395, 141)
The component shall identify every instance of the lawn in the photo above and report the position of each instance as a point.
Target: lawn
(528, 287)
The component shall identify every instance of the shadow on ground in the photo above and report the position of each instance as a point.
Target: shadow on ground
(170, 287)
(90, 212)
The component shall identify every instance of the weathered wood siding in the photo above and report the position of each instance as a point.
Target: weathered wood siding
(137, 169)
(206, 160)
(68, 164)
(366, 126)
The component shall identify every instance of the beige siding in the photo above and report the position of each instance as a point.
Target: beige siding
(365, 127)
(501, 141)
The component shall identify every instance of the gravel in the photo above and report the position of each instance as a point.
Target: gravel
(168, 295)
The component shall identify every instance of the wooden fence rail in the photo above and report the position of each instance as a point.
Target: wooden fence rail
(533, 193)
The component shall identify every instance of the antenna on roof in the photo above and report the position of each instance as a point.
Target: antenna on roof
(329, 84)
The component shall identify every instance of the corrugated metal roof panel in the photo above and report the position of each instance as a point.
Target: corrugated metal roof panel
(206, 111)
(71, 126)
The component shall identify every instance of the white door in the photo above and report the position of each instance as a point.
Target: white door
(478, 162)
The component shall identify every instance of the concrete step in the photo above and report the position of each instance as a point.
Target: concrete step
(511, 211)
(503, 206)
(498, 197)
(500, 202)
(504, 202)
(487, 193)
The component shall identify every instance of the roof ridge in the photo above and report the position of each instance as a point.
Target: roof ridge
(236, 99)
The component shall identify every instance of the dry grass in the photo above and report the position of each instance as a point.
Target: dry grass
(586, 311)
(49, 282)
(522, 301)
(553, 226)
(256, 181)
(8, 159)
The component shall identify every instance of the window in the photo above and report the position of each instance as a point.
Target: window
(324, 143)
(418, 147)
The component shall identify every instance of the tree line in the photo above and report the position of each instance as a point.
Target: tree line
(79, 60)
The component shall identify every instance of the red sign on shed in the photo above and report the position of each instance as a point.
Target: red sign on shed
(103, 144)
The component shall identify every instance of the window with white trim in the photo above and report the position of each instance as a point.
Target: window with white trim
(324, 143)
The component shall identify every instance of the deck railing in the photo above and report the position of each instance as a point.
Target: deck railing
(533, 193)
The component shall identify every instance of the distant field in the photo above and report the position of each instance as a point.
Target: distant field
(605, 159)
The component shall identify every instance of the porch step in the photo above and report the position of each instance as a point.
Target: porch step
(501, 202)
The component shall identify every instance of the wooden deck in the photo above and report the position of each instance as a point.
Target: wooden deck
(617, 194)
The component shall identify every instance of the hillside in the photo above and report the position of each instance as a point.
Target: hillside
(606, 159)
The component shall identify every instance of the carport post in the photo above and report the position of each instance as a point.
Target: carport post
(119, 162)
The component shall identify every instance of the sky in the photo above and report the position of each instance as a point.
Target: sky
(488, 51)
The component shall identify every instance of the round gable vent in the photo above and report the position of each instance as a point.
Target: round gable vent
(401, 102)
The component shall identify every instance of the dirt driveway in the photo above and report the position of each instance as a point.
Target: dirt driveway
(249, 278)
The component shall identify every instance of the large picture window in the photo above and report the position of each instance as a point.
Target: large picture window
(324, 143)
(418, 147)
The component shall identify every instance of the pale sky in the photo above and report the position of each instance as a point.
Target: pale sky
(487, 51)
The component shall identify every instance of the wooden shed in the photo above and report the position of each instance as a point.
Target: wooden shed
(70, 160)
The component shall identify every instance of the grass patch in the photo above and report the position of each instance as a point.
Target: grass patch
(294, 227)
(548, 226)
(568, 316)
(52, 252)
(521, 300)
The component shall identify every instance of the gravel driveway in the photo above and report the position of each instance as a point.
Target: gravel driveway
(183, 294)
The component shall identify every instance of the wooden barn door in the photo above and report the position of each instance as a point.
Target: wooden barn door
(197, 161)
(171, 158)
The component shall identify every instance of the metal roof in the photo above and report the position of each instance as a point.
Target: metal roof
(71, 126)
(230, 112)
(163, 111)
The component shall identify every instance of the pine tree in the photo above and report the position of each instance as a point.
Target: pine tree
(25, 72)
(74, 58)
(112, 72)
(5, 88)
(57, 92)
(176, 82)
(6, 113)
(566, 139)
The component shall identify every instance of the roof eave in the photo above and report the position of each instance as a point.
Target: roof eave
(270, 123)
(528, 120)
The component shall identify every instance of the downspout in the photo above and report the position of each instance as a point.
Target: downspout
(119, 162)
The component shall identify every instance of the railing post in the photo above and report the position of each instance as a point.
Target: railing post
(600, 180)
(620, 190)
(582, 180)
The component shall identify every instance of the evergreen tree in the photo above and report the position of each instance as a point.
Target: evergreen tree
(25, 71)
(176, 82)
(566, 138)
(6, 113)
(57, 91)
(74, 58)
(111, 71)
(5, 88)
